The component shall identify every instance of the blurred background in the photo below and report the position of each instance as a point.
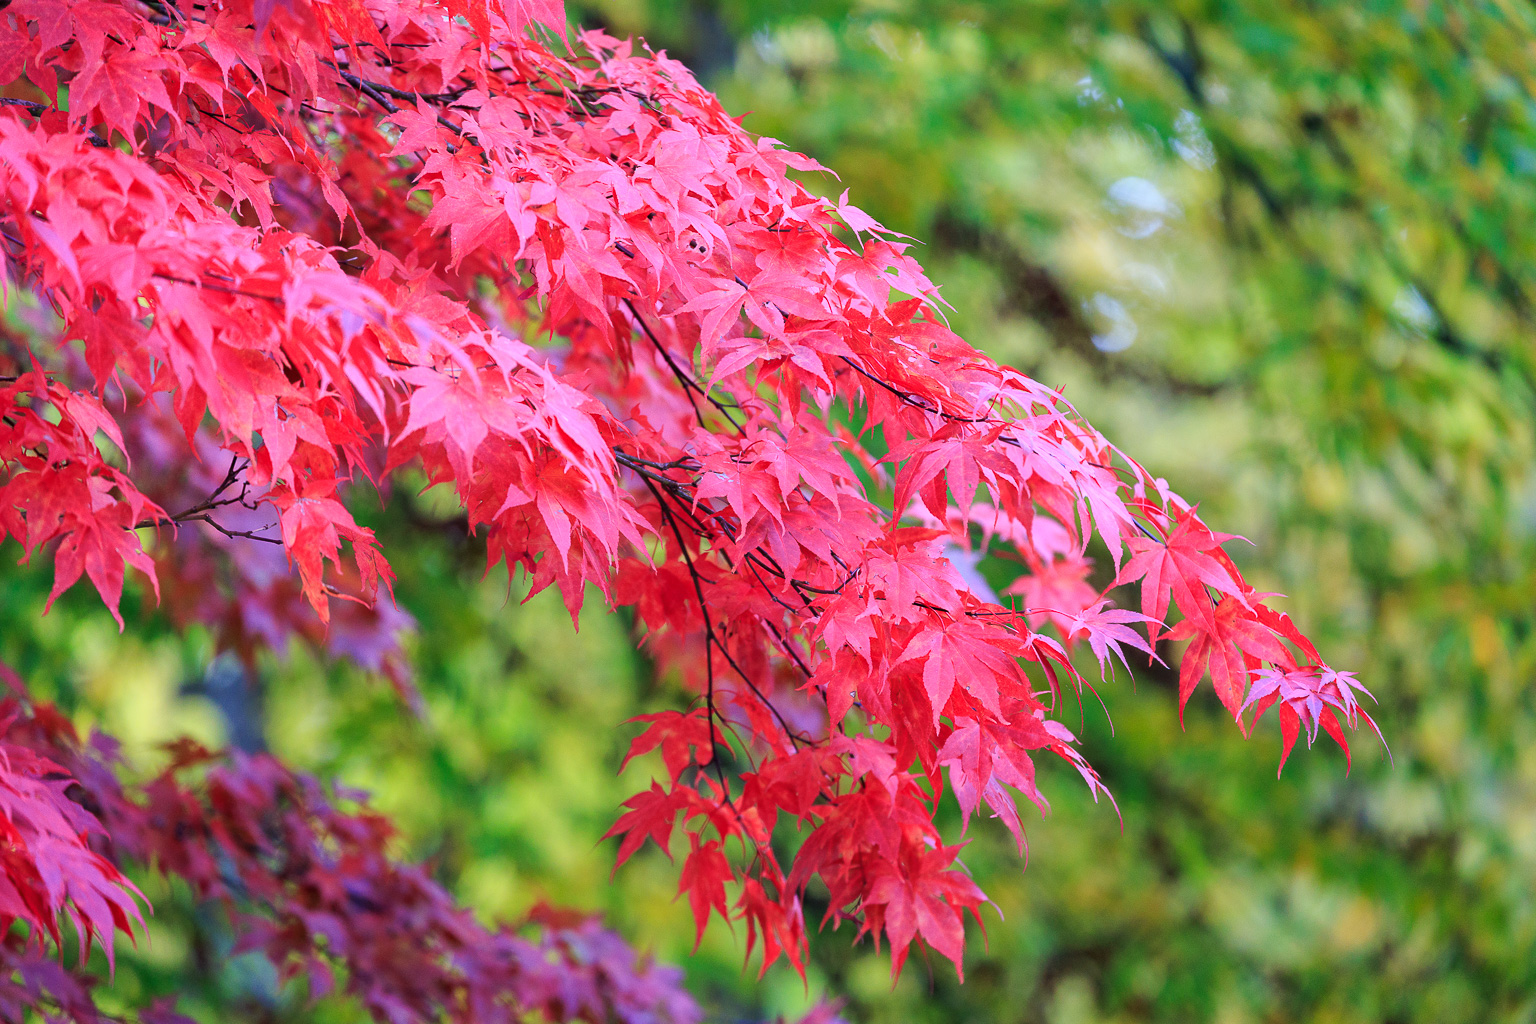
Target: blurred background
(1282, 252)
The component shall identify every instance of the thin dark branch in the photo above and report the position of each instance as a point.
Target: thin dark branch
(218, 288)
(709, 649)
(913, 400)
(38, 109)
(235, 534)
(683, 378)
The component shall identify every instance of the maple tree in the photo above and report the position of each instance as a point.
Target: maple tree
(293, 246)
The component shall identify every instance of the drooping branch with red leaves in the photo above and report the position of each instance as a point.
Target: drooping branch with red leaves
(318, 241)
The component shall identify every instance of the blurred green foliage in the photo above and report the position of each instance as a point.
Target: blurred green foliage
(1283, 253)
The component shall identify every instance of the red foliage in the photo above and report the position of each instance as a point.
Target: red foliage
(310, 885)
(332, 239)
(47, 866)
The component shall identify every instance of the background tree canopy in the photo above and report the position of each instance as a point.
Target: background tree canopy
(1286, 249)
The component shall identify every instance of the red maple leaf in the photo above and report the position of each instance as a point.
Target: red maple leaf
(1232, 647)
(1180, 566)
(704, 876)
(675, 733)
(925, 898)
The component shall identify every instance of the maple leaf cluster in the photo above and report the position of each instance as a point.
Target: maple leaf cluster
(295, 245)
(308, 884)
